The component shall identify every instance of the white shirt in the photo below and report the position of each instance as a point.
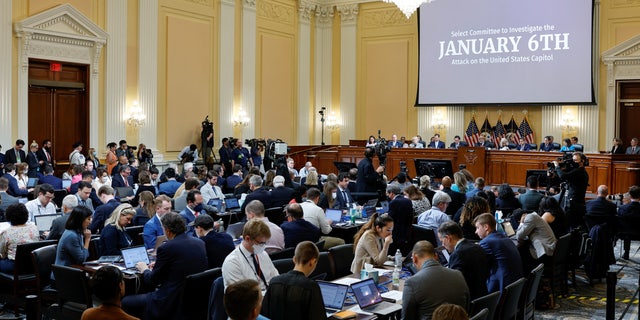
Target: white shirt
(276, 242)
(76, 158)
(35, 208)
(210, 192)
(314, 214)
(238, 265)
(187, 150)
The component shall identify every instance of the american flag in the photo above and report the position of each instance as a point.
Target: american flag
(498, 132)
(486, 126)
(525, 131)
(472, 133)
(512, 126)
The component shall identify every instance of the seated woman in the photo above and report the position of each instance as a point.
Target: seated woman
(460, 182)
(328, 197)
(371, 142)
(504, 144)
(507, 201)
(145, 210)
(419, 201)
(553, 214)
(372, 242)
(73, 247)
(474, 207)
(567, 146)
(18, 233)
(113, 237)
(144, 185)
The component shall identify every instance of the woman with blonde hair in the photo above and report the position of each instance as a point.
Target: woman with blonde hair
(92, 155)
(32, 160)
(419, 201)
(114, 237)
(460, 182)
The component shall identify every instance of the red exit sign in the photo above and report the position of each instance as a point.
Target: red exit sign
(55, 67)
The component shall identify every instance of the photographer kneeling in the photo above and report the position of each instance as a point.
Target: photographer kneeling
(577, 179)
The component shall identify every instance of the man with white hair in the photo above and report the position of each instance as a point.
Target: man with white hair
(280, 195)
(305, 170)
(58, 224)
(434, 217)
(257, 193)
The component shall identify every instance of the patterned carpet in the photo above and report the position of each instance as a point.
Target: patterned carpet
(589, 302)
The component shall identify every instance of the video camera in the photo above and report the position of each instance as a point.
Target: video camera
(255, 143)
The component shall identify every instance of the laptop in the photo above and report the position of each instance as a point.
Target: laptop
(44, 221)
(232, 204)
(370, 300)
(371, 203)
(215, 203)
(124, 192)
(32, 183)
(443, 255)
(133, 255)
(333, 295)
(159, 241)
(66, 184)
(385, 206)
(508, 229)
(335, 215)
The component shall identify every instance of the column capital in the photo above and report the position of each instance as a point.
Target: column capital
(305, 10)
(348, 12)
(324, 15)
(249, 4)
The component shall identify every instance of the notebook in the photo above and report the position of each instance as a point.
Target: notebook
(508, 229)
(333, 295)
(32, 183)
(133, 255)
(335, 215)
(44, 221)
(232, 204)
(370, 300)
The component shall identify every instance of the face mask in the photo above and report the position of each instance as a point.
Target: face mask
(198, 208)
(95, 154)
(259, 248)
(334, 194)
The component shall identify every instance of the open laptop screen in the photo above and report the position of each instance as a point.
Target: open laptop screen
(334, 215)
(44, 221)
(133, 255)
(333, 294)
(231, 203)
(508, 229)
(366, 293)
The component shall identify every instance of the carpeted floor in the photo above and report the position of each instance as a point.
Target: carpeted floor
(589, 302)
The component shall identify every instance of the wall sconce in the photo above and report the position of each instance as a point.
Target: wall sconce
(568, 122)
(241, 119)
(332, 122)
(437, 121)
(136, 117)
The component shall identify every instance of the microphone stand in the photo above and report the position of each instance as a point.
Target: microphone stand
(321, 112)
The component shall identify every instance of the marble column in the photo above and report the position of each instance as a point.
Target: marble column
(115, 74)
(226, 67)
(348, 18)
(148, 72)
(305, 10)
(6, 67)
(249, 66)
(323, 66)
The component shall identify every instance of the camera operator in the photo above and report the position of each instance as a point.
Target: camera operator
(189, 154)
(577, 181)
(240, 155)
(369, 180)
(257, 147)
(207, 139)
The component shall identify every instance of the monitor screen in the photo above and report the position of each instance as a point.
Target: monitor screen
(434, 168)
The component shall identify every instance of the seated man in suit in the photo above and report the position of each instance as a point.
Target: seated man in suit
(297, 229)
(6, 199)
(467, 257)
(192, 210)
(280, 195)
(217, 244)
(633, 148)
(58, 224)
(257, 193)
(523, 145)
(153, 228)
(103, 212)
(482, 142)
(49, 178)
(394, 142)
(600, 206)
(419, 296)
(436, 143)
(176, 259)
(457, 143)
(171, 185)
(343, 196)
(531, 199)
(547, 144)
(211, 190)
(505, 265)
(123, 179)
(293, 295)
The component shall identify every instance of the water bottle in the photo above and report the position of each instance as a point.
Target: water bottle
(396, 269)
(223, 206)
(221, 223)
(398, 261)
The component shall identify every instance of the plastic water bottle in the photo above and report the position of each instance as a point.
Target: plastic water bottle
(221, 223)
(397, 268)
(223, 207)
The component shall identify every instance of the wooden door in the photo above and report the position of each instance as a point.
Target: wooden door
(629, 110)
(58, 109)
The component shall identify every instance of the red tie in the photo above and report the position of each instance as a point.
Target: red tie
(126, 182)
(48, 156)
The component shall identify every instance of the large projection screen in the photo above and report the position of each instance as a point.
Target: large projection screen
(478, 52)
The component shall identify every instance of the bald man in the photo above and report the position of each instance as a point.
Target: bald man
(601, 206)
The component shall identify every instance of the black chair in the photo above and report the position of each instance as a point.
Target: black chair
(555, 146)
(135, 233)
(628, 230)
(512, 146)
(422, 233)
(73, 291)
(527, 303)
(341, 257)
(283, 265)
(42, 259)
(216, 306)
(195, 293)
(23, 279)
(555, 268)
(275, 215)
(58, 196)
(94, 249)
(489, 302)
(533, 146)
(592, 220)
(235, 230)
(482, 315)
(323, 268)
(320, 245)
(286, 253)
(578, 147)
(508, 306)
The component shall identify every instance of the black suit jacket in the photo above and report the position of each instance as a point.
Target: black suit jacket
(630, 210)
(471, 260)
(34, 166)
(618, 150)
(367, 176)
(601, 207)
(432, 144)
(461, 144)
(10, 156)
(457, 200)
(401, 210)
(281, 196)
(340, 198)
(118, 182)
(261, 194)
(293, 296)
(43, 157)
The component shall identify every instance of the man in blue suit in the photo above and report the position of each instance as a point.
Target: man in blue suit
(178, 258)
(435, 142)
(547, 144)
(153, 228)
(505, 264)
(14, 190)
(343, 196)
(49, 178)
(600, 206)
(170, 186)
(523, 146)
(296, 229)
(394, 142)
(193, 209)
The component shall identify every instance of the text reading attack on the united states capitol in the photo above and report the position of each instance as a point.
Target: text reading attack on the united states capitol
(524, 44)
